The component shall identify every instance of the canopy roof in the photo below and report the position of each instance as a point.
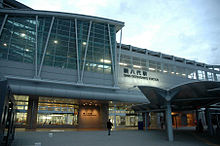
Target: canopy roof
(187, 96)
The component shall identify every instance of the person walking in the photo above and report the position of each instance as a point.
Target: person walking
(109, 126)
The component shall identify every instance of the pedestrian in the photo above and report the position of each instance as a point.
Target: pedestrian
(109, 126)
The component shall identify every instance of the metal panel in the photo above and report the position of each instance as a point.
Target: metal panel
(36, 46)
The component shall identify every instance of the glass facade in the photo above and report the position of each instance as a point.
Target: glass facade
(57, 111)
(21, 35)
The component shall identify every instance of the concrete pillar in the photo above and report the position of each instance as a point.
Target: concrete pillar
(169, 122)
(146, 120)
(32, 112)
(209, 122)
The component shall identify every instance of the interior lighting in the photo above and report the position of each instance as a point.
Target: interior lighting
(84, 43)
(136, 66)
(55, 41)
(123, 64)
(27, 50)
(165, 71)
(184, 74)
(23, 34)
(5, 44)
(172, 72)
(152, 69)
(105, 61)
(177, 73)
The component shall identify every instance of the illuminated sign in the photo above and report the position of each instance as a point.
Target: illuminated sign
(139, 74)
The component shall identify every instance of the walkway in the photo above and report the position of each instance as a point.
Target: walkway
(117, 138)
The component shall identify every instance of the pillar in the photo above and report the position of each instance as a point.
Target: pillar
(169, 122)
(115, 116)
(209, 122)
(146, 120)
(32, 112)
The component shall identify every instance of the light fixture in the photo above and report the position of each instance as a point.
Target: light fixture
(27, 50)
(84, 43)
(152, 69)
(184, 74)
(177, 73)
(136, 66)
(164, 70)
(123, 64)
(55, 41)
(105, 61)
(172, 72)
(23, 34)
(5, 44)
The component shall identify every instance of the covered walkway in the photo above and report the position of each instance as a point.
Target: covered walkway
(188, 96)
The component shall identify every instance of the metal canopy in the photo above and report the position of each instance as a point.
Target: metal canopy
(187, 96)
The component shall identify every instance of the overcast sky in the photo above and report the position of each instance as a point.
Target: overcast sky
(183, 28)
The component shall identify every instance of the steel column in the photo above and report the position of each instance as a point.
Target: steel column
(77, 53)
(113, 66)
(3, 24)
(87, 44)
(36, 33)
(45, 48)
(169, 122)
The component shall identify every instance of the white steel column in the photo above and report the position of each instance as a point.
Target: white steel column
(87, 44)
(77, 53)
(45, 48)
(115, 124)
(169, 122)
(3, 24)
(113, 66)
(119, 54)
(36, 21)
(116, 61)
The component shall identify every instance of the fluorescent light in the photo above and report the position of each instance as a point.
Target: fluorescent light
(84, 43)
(124, 64)
(27, 50)
(164, 70)
(172, 72)
(136, 66)
(55, 41)
(177, 73)
(23, 34)
(5, 44)
(151, 68)
(105, 61)
(184, 74)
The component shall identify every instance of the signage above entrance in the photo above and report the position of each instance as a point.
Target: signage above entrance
(139, 74)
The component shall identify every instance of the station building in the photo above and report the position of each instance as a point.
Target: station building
(67, 70)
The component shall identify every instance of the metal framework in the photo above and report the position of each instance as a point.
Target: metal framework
(87, 44)
(3, 24)
(36, 46)
(45, 48)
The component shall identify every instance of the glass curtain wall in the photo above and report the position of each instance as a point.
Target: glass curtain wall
(18, 42)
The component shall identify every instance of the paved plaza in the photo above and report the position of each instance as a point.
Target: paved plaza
(117, 138)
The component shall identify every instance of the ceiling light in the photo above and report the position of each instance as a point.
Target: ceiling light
(23, 34)
(172, 72)
(27, 50)
(136, 66)
(105, 61)
(124, 64)
(5, 44)
(151, 68)
(164, 71)
(55, 41)
(84, 43)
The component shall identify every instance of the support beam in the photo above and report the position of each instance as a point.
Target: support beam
(146, 120)
(36, 47)
(169, 122)
(3, 24)
(209, 122)
(115, 116)
(87, 44)
(45, 48)
(77, 53)
(112, 60)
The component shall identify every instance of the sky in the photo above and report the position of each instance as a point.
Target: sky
(184, 28)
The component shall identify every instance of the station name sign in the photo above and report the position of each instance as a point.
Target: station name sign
(139, 74)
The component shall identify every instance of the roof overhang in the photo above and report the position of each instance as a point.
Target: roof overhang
(188, 96)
